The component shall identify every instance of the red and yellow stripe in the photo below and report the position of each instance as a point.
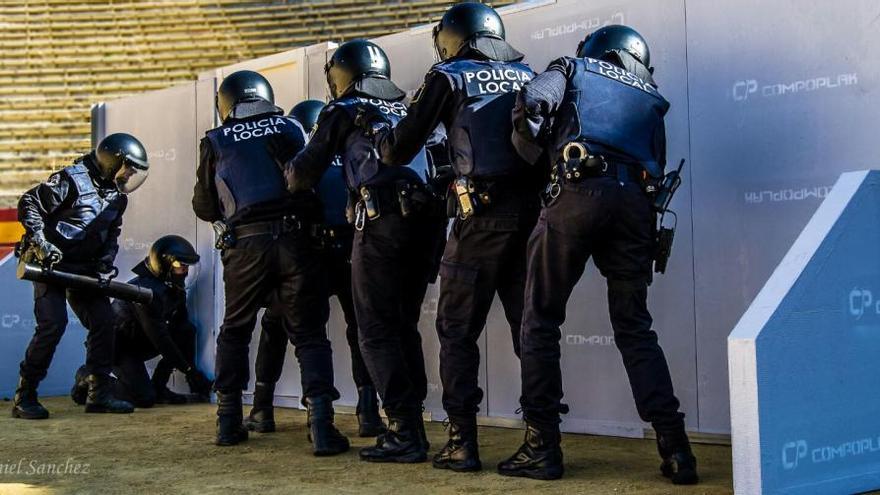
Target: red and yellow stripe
(10, 230)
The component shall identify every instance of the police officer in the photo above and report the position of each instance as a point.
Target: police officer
(159, 329)
(73, 220)
(267, 248)
(608, 142)
(391, 257)
(472, 93)
(335, 236)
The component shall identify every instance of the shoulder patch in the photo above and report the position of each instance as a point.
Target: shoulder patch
(418, 93)
(53, 179)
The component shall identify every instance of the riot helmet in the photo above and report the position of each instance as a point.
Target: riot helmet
(466, 23)
(242, 86)
(169, 259)
(363, 66)
(306, 113)
(122, 159)
(615, 39)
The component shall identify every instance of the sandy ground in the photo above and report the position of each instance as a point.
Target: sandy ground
(168, 449)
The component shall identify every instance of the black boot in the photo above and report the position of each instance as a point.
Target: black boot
(261, 419)
(25, 404)
(80, 390)
(230, 431)
(325, 438)
(165, 396)
(401, 443)
(369, 422)
(539, 457)
(679, 463)
(460, 453)
(100, 397)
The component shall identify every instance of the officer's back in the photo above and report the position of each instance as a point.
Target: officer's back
(239, 180)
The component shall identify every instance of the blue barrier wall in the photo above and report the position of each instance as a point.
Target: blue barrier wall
(804, 357)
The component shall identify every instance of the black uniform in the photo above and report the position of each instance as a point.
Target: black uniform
(391, 255)
(336, 237)
(81, 215)
(472, 96)
(161, 328)
(607, 215)
(240, 182)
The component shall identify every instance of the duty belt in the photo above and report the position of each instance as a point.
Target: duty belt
(403, 197)
(577, 164)
(275, 228)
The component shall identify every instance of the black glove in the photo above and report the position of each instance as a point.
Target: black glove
(371, 125)
(105, 267)
(46, 252)
(198, 382)
(277, 147)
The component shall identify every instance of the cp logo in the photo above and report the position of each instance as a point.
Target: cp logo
(792, 452)
(742, 89)
(860, 300)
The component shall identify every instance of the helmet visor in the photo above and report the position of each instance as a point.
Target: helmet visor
(131, 175)
(183, 274)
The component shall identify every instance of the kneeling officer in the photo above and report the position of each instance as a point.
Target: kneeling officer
(161, 328)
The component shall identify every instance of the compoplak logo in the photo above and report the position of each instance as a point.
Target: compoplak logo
(787, 194)
(798, 452)
(752, 89)
(589, 340)
(588, 24)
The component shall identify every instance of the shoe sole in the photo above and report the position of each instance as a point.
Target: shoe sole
(18, 415)
(328, 453)
(101, 410)
(457, 468)
(371, 433)
(260, 427)
(405, 459)
(542, 476)
(228, 444)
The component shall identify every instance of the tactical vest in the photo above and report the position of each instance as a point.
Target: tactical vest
(360, 161)
(612, 109)
(83, 222)
(333, 193)
(479, 134)
(245, 172)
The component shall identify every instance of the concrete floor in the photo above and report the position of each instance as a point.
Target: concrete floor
(168, 449)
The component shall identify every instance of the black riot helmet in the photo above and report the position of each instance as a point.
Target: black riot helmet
(242, 86)
(122, 159)
(354, 61)
(618, 40)
(306, 113)
(168, 252)
(463, 23)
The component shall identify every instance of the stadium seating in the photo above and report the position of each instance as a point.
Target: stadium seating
(60, 56)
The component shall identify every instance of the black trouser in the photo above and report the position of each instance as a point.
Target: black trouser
(50, 310)
(614, 224)
(485, 255)
(391, 262)
(273, 339)
(290, 266)
(133, 380)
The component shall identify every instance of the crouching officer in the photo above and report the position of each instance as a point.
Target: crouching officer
(160, 329)
(267, 248)
(335, 237)
(608, 142)
(472, 93)
(73, 221)
(391, 258)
